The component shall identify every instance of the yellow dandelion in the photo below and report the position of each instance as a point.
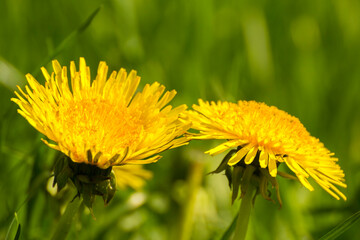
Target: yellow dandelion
(101, 124)
(264, 137)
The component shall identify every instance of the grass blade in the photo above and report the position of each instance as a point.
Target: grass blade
(342, 227)
(10, 76)
(66, 220)
(83, 26)
(18, 232)
(230, 230)
(15, 218)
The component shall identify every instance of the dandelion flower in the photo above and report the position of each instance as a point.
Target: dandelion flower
(264, 137)
(102, 123)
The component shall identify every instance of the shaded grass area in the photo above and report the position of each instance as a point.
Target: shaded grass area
(301, 57)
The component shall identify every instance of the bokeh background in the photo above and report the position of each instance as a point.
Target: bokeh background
(301, 56)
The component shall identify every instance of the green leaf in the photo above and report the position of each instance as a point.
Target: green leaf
(11, 224)
(342, 227)
(10, 76)
(83, 26)
(66, 220)
(18, 232)
(230, 230)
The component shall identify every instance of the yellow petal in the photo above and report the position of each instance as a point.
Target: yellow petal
(223, 147)
(263, 159)
(251, 155)
(239, 155)
(272, 167)
(305, 182)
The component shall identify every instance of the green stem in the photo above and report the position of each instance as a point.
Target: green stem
(65, 223)
(194, 181)
(244, 214)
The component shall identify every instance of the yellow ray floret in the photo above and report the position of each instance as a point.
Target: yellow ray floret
(102, 122)
(131, 175)
(270, 136)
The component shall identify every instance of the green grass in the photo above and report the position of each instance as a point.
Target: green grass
(301, 56)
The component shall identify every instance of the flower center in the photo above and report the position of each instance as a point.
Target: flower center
(99, 124)
(265, 126)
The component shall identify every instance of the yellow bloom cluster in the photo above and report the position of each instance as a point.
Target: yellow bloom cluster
(266, 136)
(103, 122)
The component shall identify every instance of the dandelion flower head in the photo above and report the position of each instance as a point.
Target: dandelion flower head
(266, 136)
(103, 122)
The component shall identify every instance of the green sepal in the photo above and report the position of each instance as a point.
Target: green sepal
(224, 163)
(88, 197)
(246, 180)
(228, 175)
(58, 167)
(236, 181)
(63, 177)
(62, 172)
(84, 178)
(88, 179)
(288, 176)
(242, 175)
(263, 188)
(110, 189)
(265, 173)
(101, 188)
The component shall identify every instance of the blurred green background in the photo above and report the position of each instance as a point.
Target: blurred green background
(301, 56)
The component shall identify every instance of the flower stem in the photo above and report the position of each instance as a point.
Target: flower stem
(65, 223)
(244, 214)
(194, 183)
